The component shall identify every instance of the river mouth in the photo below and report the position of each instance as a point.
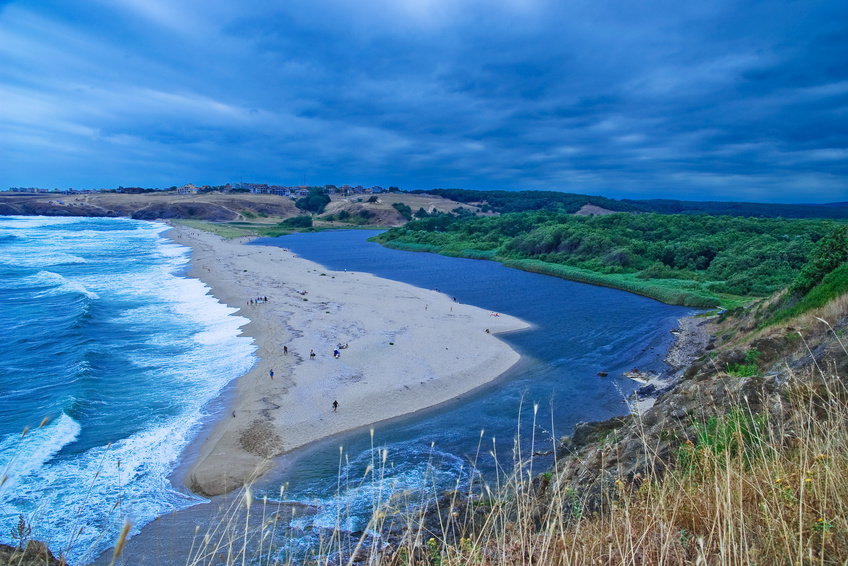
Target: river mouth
(577, 332)
(323, 493)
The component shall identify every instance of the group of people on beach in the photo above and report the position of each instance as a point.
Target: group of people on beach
(257, 301)
(336, 354)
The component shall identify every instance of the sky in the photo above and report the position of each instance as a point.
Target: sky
(707, 100)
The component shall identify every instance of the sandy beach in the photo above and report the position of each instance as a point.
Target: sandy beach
(407, 349)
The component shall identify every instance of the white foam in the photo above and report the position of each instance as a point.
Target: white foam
(65, 495)
(132, 266)
(403, 479)
(46, 259)
(61, 285)
(22, 456)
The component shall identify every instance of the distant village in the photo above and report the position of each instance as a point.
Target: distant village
(190, 189)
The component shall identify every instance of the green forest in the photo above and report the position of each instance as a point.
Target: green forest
(686, 259)
(522, 201)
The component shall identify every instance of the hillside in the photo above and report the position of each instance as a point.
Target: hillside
(523, 201)
(743, 461)
(262, 210)
(216, 207)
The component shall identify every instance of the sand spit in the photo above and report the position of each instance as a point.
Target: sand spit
(408, 349)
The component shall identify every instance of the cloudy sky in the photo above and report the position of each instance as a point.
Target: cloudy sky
(693, 100)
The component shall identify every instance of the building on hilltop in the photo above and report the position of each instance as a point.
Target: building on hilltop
(187, 189)
(279, 190)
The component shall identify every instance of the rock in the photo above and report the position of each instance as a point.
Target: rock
(646, 390)
(35, 554)
(584, 433)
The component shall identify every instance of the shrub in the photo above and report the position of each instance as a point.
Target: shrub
(749, 368)
(315, 201)
(403, 209)
(830, 252)
(297, 222)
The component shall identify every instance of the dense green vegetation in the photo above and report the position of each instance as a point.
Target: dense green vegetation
(522, 201)
(358, 217)
(833, 285)
(315, 201)
(821, 280)
(695, 260)
(747, 209)
(830, 252)
(302, 221)
(403, 209)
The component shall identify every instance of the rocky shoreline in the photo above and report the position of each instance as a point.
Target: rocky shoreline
(694, 336)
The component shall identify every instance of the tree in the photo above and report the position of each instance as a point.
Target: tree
(297, 222)
(830, 252)
(315, 201)
(403, 209)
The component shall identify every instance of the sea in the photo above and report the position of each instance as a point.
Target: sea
(110, 358)
(114, 358)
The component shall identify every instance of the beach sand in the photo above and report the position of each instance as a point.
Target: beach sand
(408, 349)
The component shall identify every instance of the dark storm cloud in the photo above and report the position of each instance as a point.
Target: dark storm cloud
(715, 100)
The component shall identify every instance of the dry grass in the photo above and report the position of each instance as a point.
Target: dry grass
(770, 488)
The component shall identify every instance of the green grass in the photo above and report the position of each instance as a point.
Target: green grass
(749, 368)
(671, 291)
(227, 231)
(833, 285)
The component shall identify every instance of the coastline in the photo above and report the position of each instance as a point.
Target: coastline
(408, 349)
(691, 341)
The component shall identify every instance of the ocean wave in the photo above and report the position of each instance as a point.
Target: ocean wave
(401, 474)
(24, 222)
(156, 336)
(43, 259)
(59, 284)
(23, 456)
(81, 503)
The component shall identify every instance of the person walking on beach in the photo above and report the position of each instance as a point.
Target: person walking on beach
(335, 406)
(311, 354)
(336, 353)
(285, 350)
(272, 374)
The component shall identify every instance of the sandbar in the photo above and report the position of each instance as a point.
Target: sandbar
(407, 349)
